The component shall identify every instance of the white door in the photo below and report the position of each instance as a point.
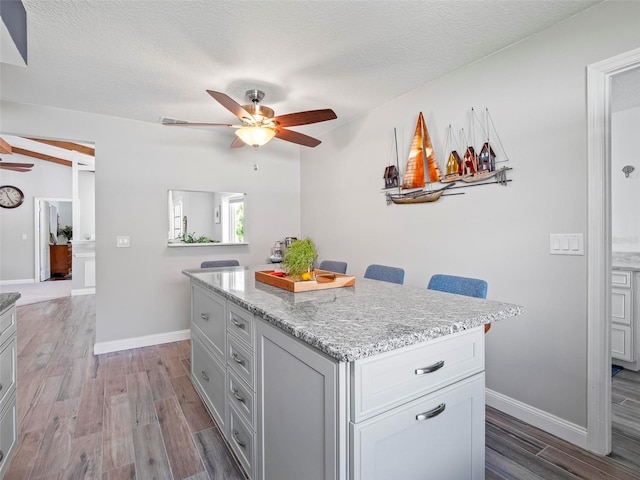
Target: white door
(43, 240)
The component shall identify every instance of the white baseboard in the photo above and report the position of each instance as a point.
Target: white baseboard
(568, 431)
(83, 291)
(128, 343)
(16, 282)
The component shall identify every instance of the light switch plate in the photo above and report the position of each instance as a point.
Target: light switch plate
(566, 244)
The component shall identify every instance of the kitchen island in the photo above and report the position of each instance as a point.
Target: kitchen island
(372, 381)
(8, 376)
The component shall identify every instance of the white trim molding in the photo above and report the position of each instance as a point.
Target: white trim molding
(599, 247)
(538, 418)
(83, 291)
(145, 341)
(16, 282)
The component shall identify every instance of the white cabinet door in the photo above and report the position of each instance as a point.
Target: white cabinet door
(621, 342)
(209, 377)
(621, 306)
(208, 313)
(297, 393)
(439, 436)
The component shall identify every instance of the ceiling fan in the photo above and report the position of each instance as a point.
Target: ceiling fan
(17, 167)
(258, 122)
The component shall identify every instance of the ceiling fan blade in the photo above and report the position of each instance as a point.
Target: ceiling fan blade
(182, 123)
(15, 169)
(14, 164)
(230, 104)
(305, 118)
(237, 143)
(296, 137)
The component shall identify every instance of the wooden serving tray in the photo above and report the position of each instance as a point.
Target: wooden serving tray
(325, 279)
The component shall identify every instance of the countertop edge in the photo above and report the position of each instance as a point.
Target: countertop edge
(387, 345)
(7, 299)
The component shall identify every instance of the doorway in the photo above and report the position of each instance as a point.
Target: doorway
(53, 221)
(599, 80)
(63, 214)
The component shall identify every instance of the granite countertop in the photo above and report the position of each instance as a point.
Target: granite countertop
(626, 261)
(8, 299)
(350, 323)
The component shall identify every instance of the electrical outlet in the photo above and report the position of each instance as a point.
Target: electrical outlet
(122, 241)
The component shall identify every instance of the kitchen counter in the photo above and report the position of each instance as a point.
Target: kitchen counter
(352, 323)
(8, 299)
(626, 261)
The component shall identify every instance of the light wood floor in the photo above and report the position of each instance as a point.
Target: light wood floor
(127, 415)
(134, 414)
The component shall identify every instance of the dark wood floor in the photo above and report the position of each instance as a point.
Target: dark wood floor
(516, 450)
(135, 415)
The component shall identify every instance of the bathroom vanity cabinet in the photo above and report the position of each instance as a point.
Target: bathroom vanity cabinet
(625, 315)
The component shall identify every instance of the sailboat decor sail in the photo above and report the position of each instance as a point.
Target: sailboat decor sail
(422, 170)
(484, 163)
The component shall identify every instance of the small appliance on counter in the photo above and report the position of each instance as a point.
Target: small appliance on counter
(277, 251)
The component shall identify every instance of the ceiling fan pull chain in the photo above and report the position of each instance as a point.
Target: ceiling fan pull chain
(255, 159)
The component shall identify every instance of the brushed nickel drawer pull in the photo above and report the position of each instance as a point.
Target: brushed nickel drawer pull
(236, 393)
(431, 413)
(238, 358)
(238, 441)
(238, 324)
(0, 389)
(1, 455)
(430, 368)
(204, 316)
(204, 375)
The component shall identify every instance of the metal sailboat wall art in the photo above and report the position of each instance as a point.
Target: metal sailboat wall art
(421, 171)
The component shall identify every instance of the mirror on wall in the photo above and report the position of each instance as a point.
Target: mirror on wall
(206, 218)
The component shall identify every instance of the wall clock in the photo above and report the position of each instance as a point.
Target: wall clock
(10, 196)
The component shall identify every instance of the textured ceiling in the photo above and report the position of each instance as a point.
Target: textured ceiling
(149, 59)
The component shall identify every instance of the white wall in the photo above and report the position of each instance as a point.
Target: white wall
(47, 180)
(86, 228)
(536, 93)
(625, 192)
(140, 290)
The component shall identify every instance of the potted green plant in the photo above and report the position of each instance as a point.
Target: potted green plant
(299, 257)
(67, 232)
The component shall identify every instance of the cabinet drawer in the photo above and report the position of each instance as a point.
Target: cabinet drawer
(621, 306)
(621, 343)
(8, 435)
(438, 436)
(621, 278)
(241, 397)
(242, 441)
(7, 370)
(241, 323)
(240, 360)
(209, 376)
(7, 321)
(384, 381)
(208, 315)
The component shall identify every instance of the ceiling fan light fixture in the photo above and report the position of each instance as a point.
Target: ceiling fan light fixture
(255, 136)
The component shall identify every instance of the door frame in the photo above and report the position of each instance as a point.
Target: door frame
(599, 246)
(36, 230)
